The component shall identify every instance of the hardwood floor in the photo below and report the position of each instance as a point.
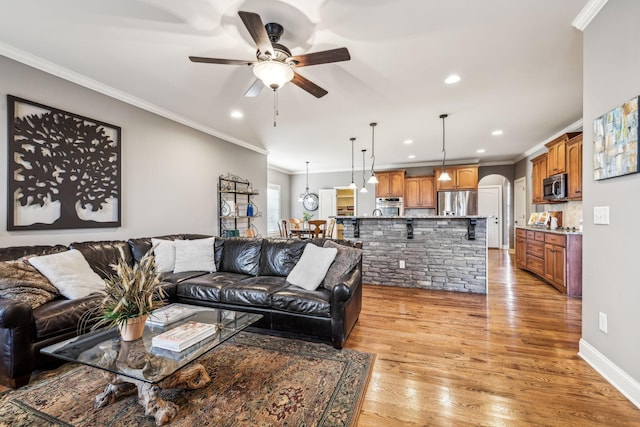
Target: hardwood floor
(508, 358)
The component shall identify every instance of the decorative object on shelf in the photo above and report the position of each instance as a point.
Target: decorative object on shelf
(615, 142)
(353, 185)
(129, 296)
(237, 209)
(373, 179)
(364, 187)
(63, 169)
(444, 176)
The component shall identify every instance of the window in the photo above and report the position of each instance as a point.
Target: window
(273, 209)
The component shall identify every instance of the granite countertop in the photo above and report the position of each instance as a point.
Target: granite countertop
(403, 217)
(557, 231)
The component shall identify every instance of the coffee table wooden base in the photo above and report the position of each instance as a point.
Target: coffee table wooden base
(191, 377)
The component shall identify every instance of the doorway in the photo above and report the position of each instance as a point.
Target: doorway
(490, 205)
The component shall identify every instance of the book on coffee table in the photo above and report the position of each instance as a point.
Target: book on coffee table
(183, 336)
(170, 314)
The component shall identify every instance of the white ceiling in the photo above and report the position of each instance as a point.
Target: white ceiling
(520, 62)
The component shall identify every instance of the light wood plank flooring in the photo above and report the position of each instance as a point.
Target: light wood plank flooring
(505, 359)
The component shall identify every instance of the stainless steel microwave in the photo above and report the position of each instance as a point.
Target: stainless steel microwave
(555, 187)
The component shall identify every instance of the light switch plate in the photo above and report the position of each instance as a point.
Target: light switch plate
(601, 215)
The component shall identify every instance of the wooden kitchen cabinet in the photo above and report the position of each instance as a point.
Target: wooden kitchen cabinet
(462, 178)
(574, 168)
(390, 183)
(538, 174)
(419, 192)
(554, 257)
(557, 153)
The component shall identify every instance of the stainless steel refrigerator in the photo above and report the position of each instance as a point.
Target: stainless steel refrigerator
(458, 203)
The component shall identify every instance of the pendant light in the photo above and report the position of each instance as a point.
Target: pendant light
(364, 188)
(373, 179)
(306, 190)
(353, 185)
(444, 176)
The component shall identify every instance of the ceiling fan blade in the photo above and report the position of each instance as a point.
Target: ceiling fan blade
(308, 85)
(324, 57)
(254, 25)
(255, 89)
(220, 61)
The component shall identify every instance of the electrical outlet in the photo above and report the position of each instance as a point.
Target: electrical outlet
(402, 263)
(602, 322)
(601, 215)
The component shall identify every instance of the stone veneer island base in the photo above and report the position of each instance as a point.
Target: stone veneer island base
(436, 251)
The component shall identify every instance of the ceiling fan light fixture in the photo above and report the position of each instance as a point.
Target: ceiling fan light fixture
(273, 74)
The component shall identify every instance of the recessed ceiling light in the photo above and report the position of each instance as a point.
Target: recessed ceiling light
(453, 78)
(408, 141)
(480, 150)
(412, 156)
(237, 114)
(497, 132)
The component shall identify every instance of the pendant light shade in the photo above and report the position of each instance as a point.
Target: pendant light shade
(372, 178)
(353, 185)
(444, 176)
(306, 189)
(364, 188)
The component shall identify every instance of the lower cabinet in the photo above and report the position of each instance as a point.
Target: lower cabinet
(556, 258)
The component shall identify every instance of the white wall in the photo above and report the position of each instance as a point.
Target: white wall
(169, 171)
(611, 279)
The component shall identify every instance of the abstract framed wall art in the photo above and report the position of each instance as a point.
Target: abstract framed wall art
(615, 142)
(64, 169)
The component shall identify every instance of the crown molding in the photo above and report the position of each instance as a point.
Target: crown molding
(540, 146)
(84, 81)
(588, 12)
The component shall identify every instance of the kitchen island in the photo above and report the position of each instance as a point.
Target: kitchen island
(433, 252)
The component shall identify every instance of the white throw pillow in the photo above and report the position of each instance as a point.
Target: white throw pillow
(70, 272)
(195, 255)
(165, 253)
(312, 267)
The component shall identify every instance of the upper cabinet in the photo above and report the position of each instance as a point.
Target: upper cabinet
(574, 168)
(419, 192)
(390, 183)
(462, 178)
(557, 153)
(538, 174)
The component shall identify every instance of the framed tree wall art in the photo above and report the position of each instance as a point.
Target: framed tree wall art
(64, 169)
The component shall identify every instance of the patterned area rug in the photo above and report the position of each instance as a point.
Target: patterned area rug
(256, 380)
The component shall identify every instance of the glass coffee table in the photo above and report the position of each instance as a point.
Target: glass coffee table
(129, 364)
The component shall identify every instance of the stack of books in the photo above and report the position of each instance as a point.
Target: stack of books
(170, 314)
(183, 336)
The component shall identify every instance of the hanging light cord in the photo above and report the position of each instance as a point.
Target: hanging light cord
(364, 183)
(444, 152)
(373, 151)
(306, 190)
(352, 141)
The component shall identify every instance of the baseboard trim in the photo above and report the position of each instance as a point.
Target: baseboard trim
(618, 378)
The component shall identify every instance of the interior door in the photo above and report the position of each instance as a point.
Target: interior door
(327, 203)
(490, 205)
(520, 201)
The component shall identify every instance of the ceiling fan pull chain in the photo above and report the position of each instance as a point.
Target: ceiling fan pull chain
(275, 106)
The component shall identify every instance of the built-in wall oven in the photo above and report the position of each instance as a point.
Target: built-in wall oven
(390, 206)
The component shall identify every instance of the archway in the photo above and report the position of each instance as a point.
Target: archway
(504, 186)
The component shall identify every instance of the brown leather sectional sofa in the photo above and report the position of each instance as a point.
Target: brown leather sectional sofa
(251, 276)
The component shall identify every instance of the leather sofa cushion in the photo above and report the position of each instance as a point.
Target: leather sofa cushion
(14, 252)
(62, 316)
(179, 277)
(255, 291)
(207, 287)
(101, 255)
(297, 300)
(279, 256)
(241, 255)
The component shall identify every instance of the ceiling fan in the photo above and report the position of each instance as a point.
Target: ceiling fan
(274, 65)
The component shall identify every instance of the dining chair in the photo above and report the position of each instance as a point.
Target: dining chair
(319, 227)
(295, 223)
(331, 225)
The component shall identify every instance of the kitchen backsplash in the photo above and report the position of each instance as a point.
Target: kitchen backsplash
(571, 212)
